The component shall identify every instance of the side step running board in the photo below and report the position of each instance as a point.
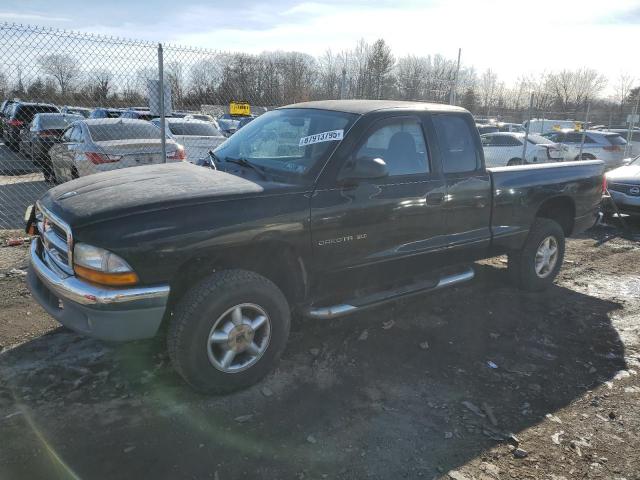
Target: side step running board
(333, 311)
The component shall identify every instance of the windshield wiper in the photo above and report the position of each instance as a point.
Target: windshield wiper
(243, 162)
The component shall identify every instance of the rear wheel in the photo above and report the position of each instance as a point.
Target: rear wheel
(228, 331)
(514, 161)
(536, 265)
(585, 156)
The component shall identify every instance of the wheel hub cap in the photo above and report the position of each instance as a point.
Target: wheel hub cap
(546, 257)
(239, 337)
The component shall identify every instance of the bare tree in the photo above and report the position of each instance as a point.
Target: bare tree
(63, 68)
(175, 78)
(622, 88)
(488, 88)
(100, 84)
(411, 73)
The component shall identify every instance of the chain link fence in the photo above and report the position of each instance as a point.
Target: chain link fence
(77, 103)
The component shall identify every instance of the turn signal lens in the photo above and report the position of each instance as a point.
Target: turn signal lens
(102, 266)
(110, 279)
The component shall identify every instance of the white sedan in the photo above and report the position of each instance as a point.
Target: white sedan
(505, 149)
(196, 136)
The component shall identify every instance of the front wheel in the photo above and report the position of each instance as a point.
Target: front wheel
(536, 265)
(514, 161)
(228, 331)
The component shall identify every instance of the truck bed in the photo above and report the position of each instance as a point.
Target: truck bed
(520, 192)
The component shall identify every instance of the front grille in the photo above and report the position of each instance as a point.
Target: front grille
(625, 188)
(56, 239)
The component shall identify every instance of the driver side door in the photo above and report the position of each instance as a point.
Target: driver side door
(374, 231)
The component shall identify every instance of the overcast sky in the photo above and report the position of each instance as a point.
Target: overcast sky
(511, 37)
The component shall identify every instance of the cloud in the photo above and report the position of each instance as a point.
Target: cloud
(31, 17)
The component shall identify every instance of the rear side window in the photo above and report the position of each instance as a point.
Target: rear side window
(76, 134)
(616, 140)
(400, 143)
(455, 140)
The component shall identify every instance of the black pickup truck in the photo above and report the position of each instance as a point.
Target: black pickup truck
(320, 208)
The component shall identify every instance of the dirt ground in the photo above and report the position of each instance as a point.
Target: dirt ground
(478, 382)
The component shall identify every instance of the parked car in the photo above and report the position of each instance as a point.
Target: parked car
(4, 109)
(229, 123)
(510, 127)
(197, 137)
(85, 112)
(137, 114)
(486, 128)
(505, 149)
(623, 184)
(97, 145)
(45, 130)
(200, 116)
(328, 208)
(605, 146)
(633, 137)
(545, 125)
(105, 113)
(18, 119)
(205, 118)
(245, 121)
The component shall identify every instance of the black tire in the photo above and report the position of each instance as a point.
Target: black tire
(585, 156)
(197, 312)
(522, 262)
(514, 161)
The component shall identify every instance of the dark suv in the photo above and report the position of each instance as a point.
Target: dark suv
(19, 117)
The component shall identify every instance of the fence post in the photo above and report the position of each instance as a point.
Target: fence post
(163, 126)
(584, 130)
(526, 131)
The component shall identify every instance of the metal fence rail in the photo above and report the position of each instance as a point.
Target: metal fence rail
(55, 77)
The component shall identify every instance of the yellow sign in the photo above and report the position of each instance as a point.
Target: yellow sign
(240, 108)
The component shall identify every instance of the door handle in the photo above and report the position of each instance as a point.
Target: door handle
(435, 198)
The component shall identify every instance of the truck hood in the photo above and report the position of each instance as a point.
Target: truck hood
(128, 191)
(628, 173)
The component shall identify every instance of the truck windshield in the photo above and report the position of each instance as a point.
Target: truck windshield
(293, 142)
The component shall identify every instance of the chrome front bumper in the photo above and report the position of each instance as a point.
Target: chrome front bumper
(100, 312)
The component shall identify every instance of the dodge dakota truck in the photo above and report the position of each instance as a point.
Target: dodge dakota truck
(319, 209)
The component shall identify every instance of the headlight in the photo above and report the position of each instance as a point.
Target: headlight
(101, 266)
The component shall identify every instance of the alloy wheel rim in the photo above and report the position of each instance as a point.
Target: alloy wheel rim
(546, 257)
(239, 337)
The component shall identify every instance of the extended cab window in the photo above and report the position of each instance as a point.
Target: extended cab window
(400, 143)
(455, 140)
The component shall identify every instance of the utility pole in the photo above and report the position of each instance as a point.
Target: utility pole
(343, 84)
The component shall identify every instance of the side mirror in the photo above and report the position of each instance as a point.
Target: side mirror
(366, 168)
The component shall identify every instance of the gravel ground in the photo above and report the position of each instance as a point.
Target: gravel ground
(478, 382)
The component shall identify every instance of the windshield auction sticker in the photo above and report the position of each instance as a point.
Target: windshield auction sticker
(321, 137)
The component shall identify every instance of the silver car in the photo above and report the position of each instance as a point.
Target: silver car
(624, 186)
(605, 146)
(97, 145)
